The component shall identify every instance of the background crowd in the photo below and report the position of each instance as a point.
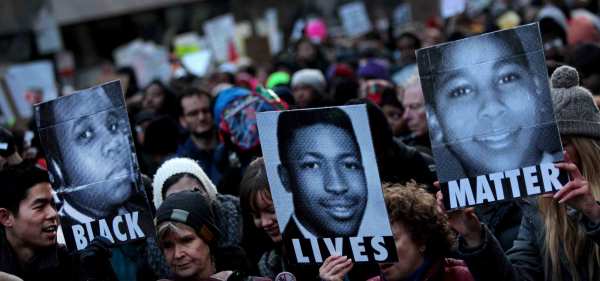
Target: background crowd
(189, 138)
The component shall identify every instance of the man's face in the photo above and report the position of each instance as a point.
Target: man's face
(325, 174)
(36, 223)
(96, 151)
(414, 110)
(186, 253)
(197, 117)
(487, 111)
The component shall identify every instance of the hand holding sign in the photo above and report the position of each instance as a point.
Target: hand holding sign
(335, 268)
(463, 221)
(577, 193)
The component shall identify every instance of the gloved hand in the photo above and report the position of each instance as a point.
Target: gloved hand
(94, 261)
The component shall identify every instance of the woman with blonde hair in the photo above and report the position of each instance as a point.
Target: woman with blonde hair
(561, 239)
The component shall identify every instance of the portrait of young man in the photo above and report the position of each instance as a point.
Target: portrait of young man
(488, 103)
(88, 144)
(322, 173)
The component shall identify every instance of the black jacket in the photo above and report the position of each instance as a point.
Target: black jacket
(52, 263)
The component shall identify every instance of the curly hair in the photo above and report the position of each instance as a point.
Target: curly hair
(415, 208)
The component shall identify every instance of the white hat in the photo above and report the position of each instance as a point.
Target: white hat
(176, 166)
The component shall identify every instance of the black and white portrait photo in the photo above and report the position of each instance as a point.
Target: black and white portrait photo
(91, 160)
(324, 181)
(489, 111)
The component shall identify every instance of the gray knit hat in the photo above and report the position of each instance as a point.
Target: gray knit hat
(574, 107)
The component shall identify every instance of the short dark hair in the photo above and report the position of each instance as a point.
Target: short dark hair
(254, 182)
(175, 178)
(290, 121)
(190, 92)
(16, 182)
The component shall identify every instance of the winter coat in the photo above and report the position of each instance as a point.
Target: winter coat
(445, 269)
(525, 260)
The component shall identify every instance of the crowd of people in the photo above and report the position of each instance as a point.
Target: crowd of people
(206, 183)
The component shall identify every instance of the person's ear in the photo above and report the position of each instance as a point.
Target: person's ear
(435, 130)
(6, 218)
(284, 177)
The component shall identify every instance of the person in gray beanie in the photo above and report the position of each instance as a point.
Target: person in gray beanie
(308, 87)
(560, 238)
(574, 107)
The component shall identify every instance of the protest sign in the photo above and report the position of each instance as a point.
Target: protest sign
(92, 162)
(325, 185)
(491, 122)
(187, 43)
(450, 8)
(32, 76)
(47, 32)
(220, 34)
(355, 19)
(148, 60)
(402, 14)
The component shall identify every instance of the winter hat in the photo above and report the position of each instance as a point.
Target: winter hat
(176, 166)
(584, 27)
(193, 210)
(309, 77)
(373, 69)
(574, 108)
(278, 78)
(316, 30)
(340, 70)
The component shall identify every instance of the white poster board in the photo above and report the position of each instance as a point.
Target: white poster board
(355, 19)
(22, 77)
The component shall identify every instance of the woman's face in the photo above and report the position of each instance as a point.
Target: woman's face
(264, 216)
(186, 253)
(153, 98)
(96, 154)
(487, 107)
(410, 255)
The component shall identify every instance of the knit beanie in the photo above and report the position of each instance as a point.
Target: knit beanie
(278, 78)
(309, 77)
(574, 108)
(176, 166)
(374, 69)
(193, 210)
(584, 27)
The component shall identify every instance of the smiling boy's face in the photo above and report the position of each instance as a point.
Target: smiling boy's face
(325, 174)
(486, 106)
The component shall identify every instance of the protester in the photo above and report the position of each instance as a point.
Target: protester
(188, 236)
(184, 174)
(415, 116)
(561, 239)
(255, 199)
(159, 99)
(29, 224)
(423, 241)
(202, 145)
(308, 88)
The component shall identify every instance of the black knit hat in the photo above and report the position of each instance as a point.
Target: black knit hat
(191, 209)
